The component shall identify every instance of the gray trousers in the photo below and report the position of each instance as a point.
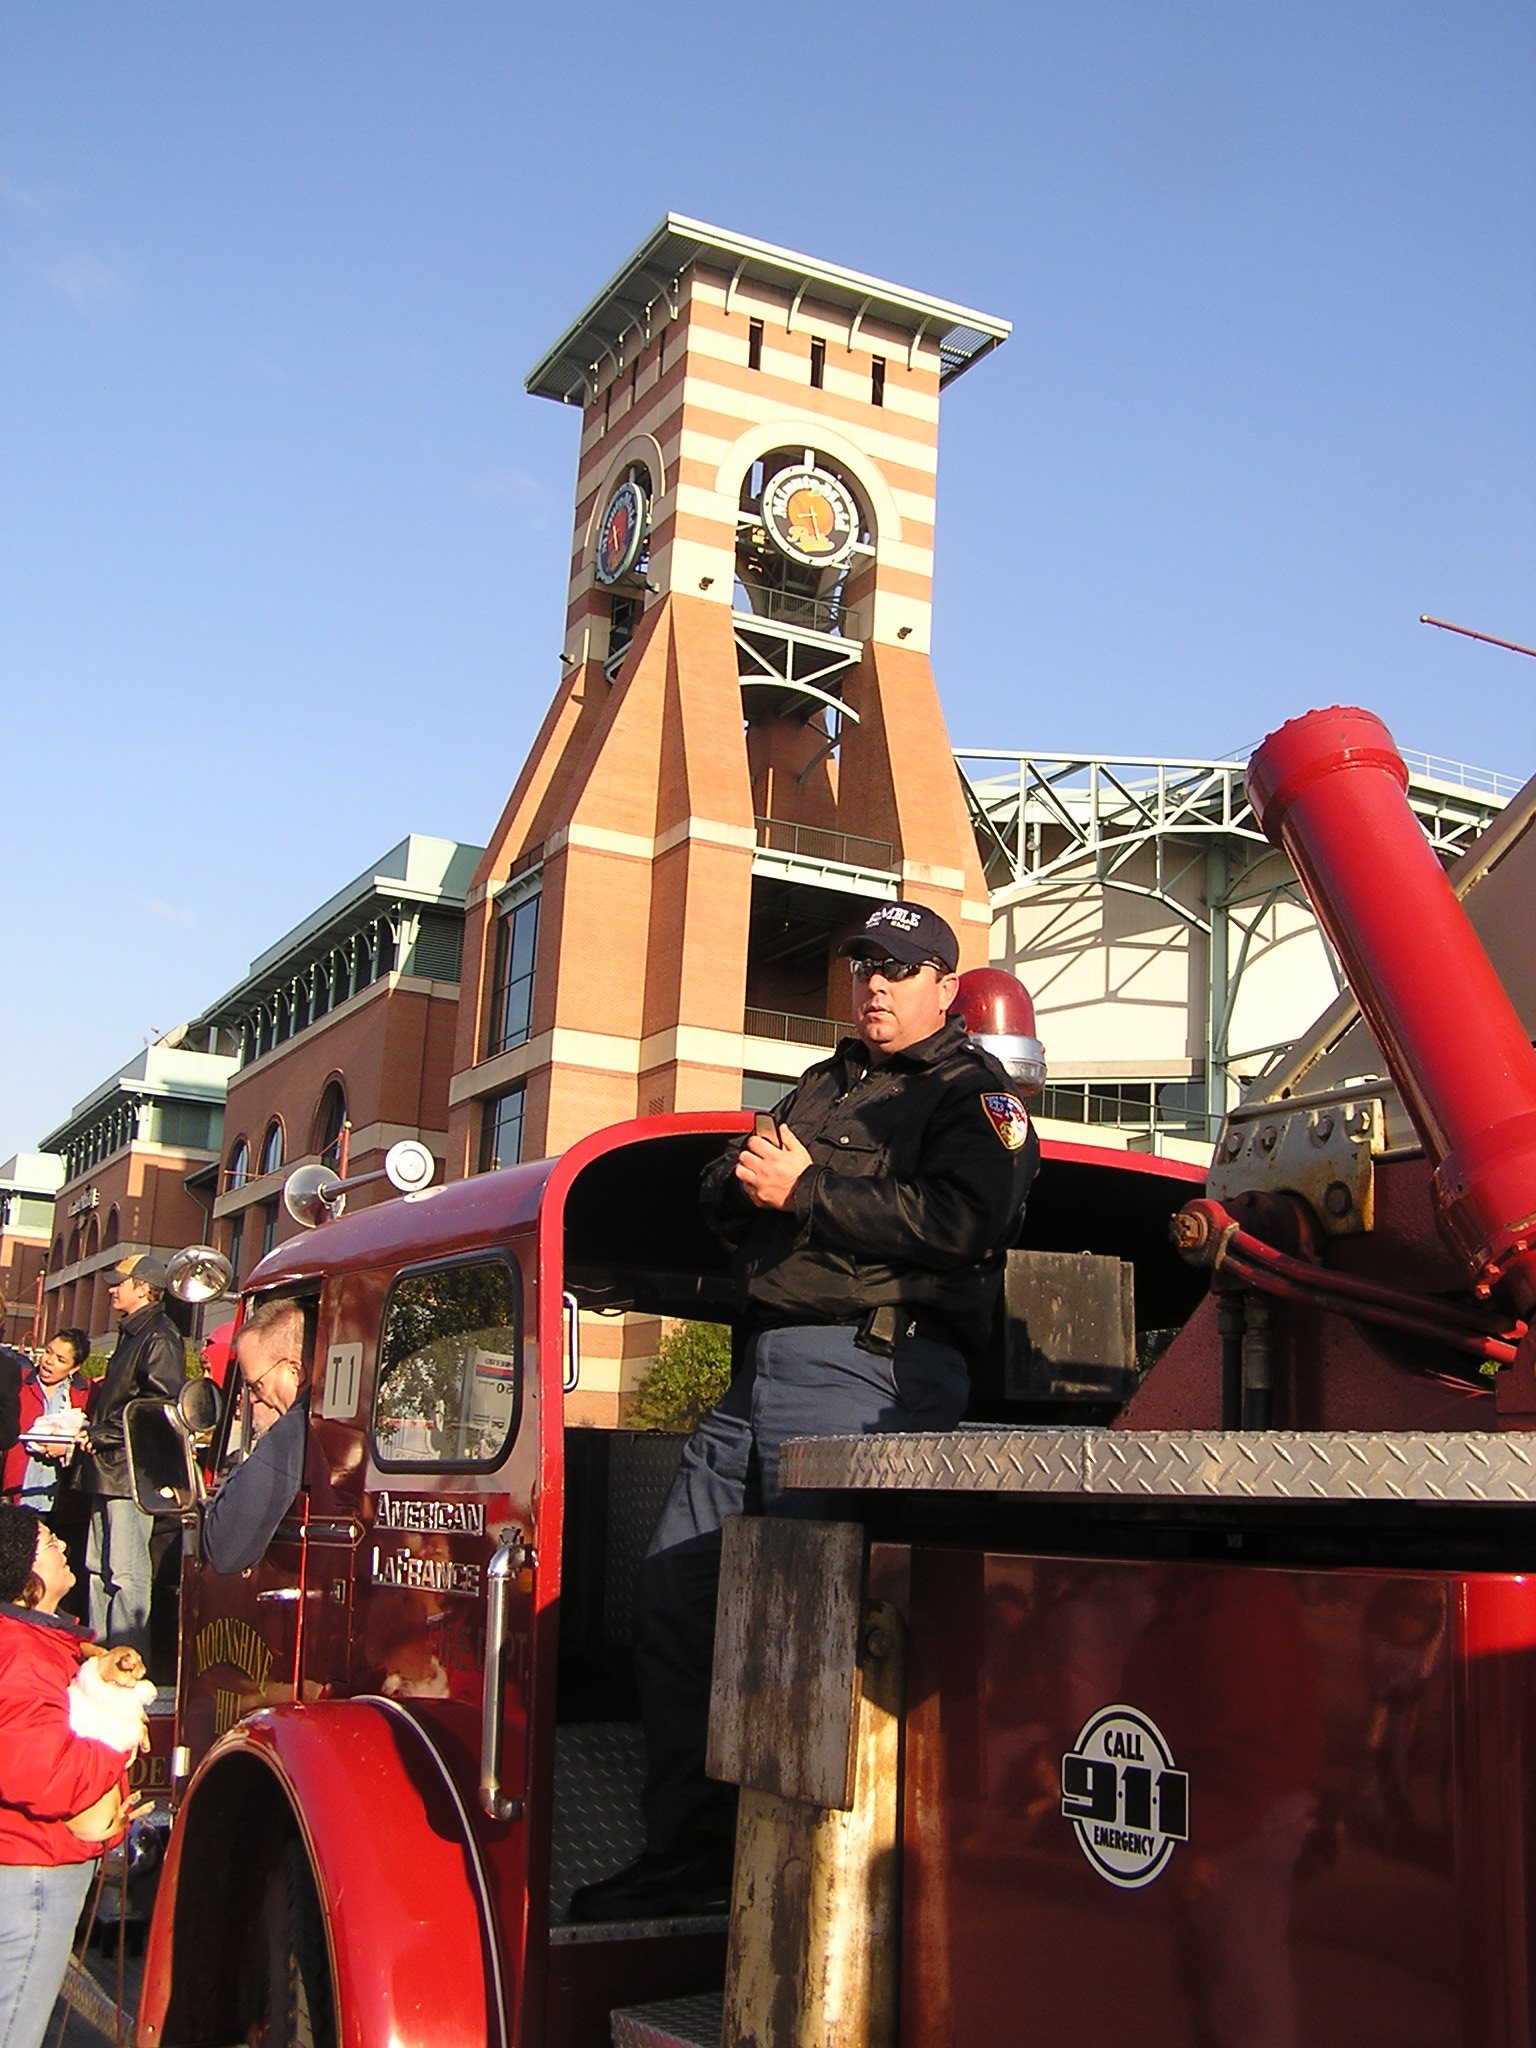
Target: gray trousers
(803, 1381)
(117, 1561)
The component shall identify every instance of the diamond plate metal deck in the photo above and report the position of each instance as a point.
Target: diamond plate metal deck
(598, 1828)
(641, 1468)
(1251, 1465)
(678, 2023)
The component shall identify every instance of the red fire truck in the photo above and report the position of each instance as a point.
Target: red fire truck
(1201, 1716)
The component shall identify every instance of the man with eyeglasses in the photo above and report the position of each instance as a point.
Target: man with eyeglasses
(247, 1507)
(869, 1218)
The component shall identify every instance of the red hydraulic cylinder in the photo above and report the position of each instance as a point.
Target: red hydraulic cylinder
(1331, 789)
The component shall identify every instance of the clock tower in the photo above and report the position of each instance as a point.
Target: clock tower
(745, 751)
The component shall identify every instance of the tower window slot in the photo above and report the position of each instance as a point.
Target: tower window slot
(754, 345)
(818, 363)
(623, 618)
(877, 381)
(607, 404)
(634, 380)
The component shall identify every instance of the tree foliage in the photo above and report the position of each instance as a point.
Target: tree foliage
(692, 1371)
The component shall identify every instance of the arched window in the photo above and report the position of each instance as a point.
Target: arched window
(271, 1148)
(74, 1246)
(330, 1115)
(238, 1171)
(56, 1257)
(114, 1227)
(92, 1239)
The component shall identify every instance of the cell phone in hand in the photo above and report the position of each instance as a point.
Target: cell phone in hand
(763, 1126)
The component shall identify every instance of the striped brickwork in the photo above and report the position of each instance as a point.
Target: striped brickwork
(638, 799)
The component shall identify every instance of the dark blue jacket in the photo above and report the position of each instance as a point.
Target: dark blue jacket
(243, 1515)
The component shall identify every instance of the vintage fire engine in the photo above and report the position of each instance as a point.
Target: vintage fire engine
(1198, 1716)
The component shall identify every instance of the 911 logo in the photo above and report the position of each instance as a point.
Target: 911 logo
(1120, 1791)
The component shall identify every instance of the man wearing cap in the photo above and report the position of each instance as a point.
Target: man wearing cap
(869, 1232)
(149, 1358)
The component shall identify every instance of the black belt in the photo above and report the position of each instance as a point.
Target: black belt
(878, 1330)
(882, 1328)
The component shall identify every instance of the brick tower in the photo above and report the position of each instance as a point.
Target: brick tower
(745, 752)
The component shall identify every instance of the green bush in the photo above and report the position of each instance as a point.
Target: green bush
(692, 1371)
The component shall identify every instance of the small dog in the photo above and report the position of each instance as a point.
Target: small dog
(108, 1696)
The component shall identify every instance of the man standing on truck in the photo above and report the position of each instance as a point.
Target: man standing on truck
(149, 1358)
(869, 1217)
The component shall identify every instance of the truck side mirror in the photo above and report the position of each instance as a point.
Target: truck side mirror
(162, 1469)
(198, 1273)
(198, 1406)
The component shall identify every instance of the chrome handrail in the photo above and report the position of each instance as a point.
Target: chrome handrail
(571, 1308)
(510, 1558)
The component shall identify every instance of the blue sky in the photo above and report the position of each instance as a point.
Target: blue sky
(282, 541)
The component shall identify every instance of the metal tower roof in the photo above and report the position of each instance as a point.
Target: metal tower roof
(625, 304)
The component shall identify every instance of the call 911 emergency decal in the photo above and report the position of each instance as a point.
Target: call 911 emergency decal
(1009, 1118)
(1120, 1791)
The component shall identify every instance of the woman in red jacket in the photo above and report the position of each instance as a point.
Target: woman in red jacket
(48, 1776)
(30, 1476)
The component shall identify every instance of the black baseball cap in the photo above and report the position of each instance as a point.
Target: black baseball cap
(905, 931)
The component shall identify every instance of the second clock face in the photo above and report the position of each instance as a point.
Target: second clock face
(811, 517)
(621, 536)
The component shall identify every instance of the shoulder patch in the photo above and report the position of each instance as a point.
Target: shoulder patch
(1009, 1118)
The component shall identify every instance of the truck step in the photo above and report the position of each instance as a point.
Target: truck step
(675, 2023)
(598, 1828)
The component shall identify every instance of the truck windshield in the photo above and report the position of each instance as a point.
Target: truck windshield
(450, 1368)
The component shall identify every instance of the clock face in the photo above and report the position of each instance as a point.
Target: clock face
(621, 536)
(810, 517)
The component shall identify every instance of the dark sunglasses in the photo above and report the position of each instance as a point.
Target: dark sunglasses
(892, 970)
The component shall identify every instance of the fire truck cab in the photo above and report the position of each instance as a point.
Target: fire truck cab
(410, 1731)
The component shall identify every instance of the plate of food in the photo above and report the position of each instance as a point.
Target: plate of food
(58, 1430)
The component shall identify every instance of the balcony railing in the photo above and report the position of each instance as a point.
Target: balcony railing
(789, 608)
(1460, 774)
(1174, 1107)
(789, 1029)
(815, 842)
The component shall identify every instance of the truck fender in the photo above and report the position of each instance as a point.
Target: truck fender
(408, 1924)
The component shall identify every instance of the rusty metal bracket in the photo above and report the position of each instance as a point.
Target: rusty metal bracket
(1323, 1150)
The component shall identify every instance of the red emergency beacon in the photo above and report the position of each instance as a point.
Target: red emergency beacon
(996, 1010)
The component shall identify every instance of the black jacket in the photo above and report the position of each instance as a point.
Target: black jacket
(149, 1358)
(922, 1163)
(14, 1366)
